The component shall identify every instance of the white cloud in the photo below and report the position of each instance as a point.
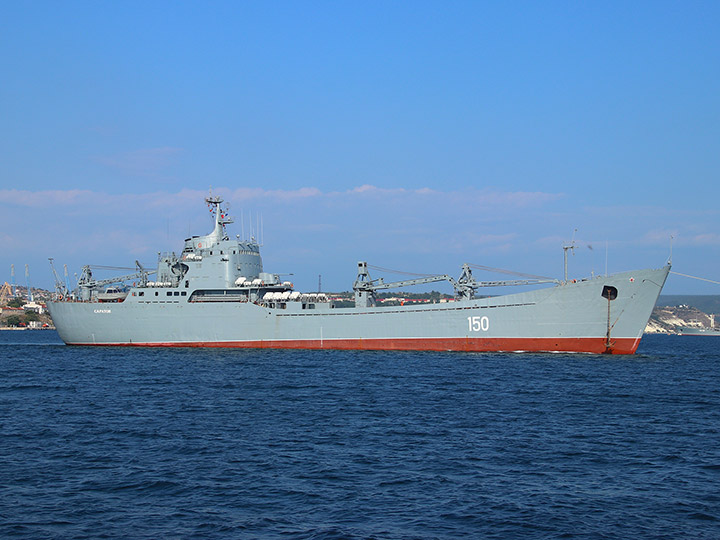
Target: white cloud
(367, 189)
(687, 235)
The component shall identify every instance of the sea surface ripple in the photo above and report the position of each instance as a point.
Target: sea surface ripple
(211, 443)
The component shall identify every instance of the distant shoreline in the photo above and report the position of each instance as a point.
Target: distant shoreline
(13, 328)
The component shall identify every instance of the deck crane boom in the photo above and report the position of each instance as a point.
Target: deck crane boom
(87, 284)
(365, 288)
(464, 286)
(61, 290)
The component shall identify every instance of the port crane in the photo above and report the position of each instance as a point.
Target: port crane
(27, 282)
(12, 276)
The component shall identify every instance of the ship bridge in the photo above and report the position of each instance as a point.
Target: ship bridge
(212, 260)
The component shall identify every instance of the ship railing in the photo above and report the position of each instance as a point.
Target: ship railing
(516, 282)
(228, 298)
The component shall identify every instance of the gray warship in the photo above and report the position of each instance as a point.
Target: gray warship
(707, 331)
(215, 293)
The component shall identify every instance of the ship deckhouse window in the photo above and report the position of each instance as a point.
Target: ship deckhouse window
(142, 293)
(169, 293)
(183, 293)
(156, 293)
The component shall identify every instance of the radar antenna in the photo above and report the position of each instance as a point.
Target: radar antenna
(221, 215)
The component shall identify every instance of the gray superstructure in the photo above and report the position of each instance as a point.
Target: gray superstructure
(216, 293)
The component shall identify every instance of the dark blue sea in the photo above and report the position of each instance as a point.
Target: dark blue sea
(214, 444)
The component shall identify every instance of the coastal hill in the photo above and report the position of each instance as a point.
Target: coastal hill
(673, 312)
(709, 303)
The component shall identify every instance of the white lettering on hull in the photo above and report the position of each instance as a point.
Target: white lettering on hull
(476, 324)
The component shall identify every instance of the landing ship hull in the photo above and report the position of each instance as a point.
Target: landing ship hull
(568, 317)
(700, 331)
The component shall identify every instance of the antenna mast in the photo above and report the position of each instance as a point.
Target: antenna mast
(568, 247)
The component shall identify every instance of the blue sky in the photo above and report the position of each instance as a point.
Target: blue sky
(414, 135)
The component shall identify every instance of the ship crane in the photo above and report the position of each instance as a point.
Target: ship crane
(365, 288)
(61, 289)
(87, 284)
(464, 286)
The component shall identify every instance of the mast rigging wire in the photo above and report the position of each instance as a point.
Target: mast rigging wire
(508, 272)
(389, 270)
(101, 267)
(695, 277)
(474, 266)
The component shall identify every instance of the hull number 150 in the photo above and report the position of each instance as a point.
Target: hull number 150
(475, 324)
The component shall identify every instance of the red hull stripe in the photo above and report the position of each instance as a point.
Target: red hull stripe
(583, 345)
